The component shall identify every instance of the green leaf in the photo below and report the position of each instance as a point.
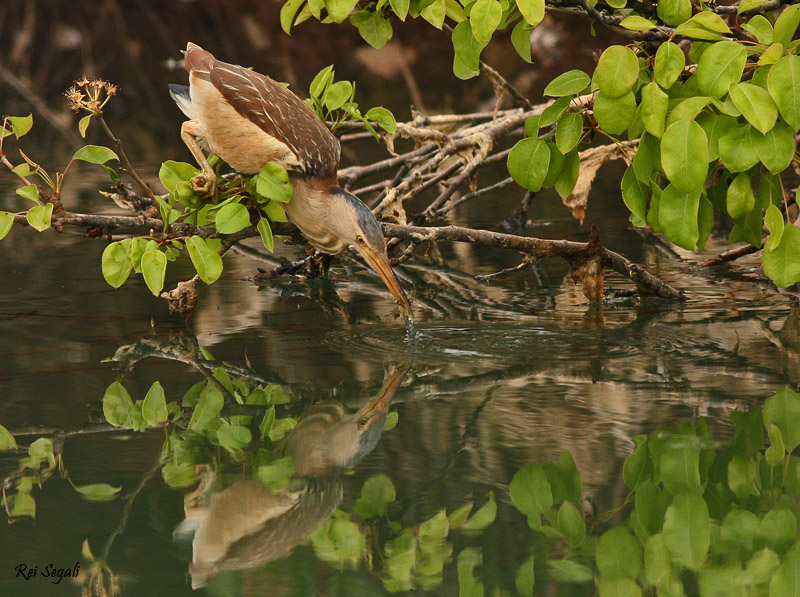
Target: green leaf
(375, 29)
(272, 181)
(618, 554)
(154, 268)
(288, 12)
(770, 56)
(569, 83)
(232, 218)
(677, 215)
(234, 437)
(95, 154)
(339, 10)
(400, 8)
(741, 476)
(657, 565)
(568, 177)
(786, 25)
(755, 104)
(483, 517)
(179, 475)
(786, 581)
(687, 530)
(98, 492)
(320, 82)
(459, 515)
(774, 222)
(383, 117)
(171, 173)
(525, 579)
(376, 494)
(719, 67)
(783, 408)
(674, 12)
(568, 132)
(739, 200)
(277, 475)
(783, 83)
(570, 522)
(680, 465)
(39, 217)
(118, 406)
(528, 163)
(532, 11)
(266, 234)
(335, 97)
(83, 125)
(704, 25)
(434, 13)
(614, 115)
(530, 493)
(776, 529)
(635, 194)
(6, 221)
(29, 192)
(467, 48)
(777, 451)
(669, 63)
(116, 263)
(684, 156)
(207, 408)
(570, 572)
(21, 125)
(521, 40)
(637, 23)
(746, 5)
(715, 126)
(551, 114)
(274, 211)
(761, 29)
(485, 17)
(7, 441)
(206, 260)
(154, 407)
(654, 109)
(617, 71)
(737, 148)
(688, 109)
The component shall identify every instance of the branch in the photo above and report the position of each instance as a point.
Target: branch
(536, 248)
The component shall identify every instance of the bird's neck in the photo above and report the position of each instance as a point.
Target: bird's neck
(309, 210)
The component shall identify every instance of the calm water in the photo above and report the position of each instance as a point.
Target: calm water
(501, 375)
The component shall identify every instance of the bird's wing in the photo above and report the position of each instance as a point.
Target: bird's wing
(273, 108)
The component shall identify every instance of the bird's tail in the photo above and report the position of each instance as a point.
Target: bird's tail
(180, 93)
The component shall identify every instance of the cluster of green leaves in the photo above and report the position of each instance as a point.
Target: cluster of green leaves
(333, 102)
(475, 21)
(35, 466)
(40, 215)
(241, 202)
(724, 520)
(410, 556)
(717, 132)
(196, 425)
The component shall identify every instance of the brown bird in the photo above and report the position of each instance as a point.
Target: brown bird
(247, 119)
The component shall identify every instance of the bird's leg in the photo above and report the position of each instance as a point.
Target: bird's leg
(320, 264)
(204, 183)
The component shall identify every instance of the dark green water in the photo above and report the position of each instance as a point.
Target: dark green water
(501, 375)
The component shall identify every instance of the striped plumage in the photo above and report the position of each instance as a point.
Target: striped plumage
(248, 119)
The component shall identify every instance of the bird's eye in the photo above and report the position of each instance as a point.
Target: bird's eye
(360, 240)
(362, 422)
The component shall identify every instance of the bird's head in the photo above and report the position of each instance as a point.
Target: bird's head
(354, 223)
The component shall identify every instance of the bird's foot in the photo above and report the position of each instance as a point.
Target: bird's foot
(205, 183)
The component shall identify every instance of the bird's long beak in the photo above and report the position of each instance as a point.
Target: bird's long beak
(380, 403)
(380, 263)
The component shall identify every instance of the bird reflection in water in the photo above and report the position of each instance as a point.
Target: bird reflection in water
(244, 525)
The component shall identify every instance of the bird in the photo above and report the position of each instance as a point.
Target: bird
(248, 120)
(245, 525)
